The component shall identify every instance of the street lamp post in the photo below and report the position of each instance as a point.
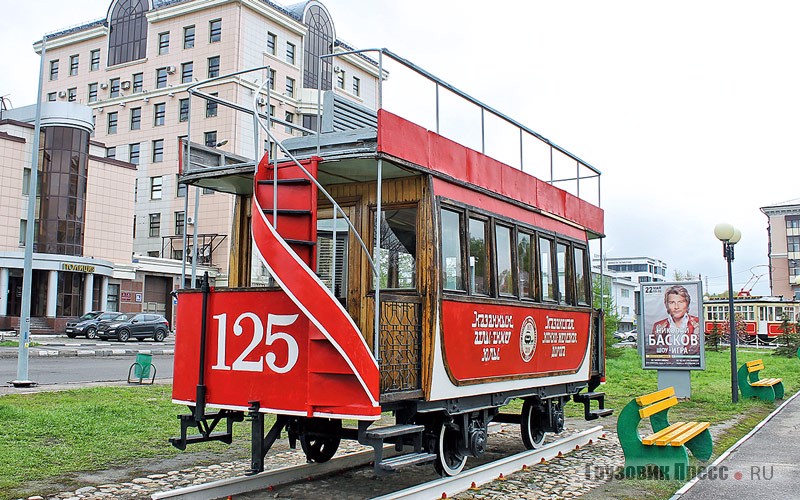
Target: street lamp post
(730, 236)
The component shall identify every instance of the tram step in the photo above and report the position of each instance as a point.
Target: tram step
(286, 181)
(391, 431)
(584, 396)
(595, 414)
(286, 211)
(394, 463)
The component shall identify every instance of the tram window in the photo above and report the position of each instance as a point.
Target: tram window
(525, 265)
(505, 275)
(478, 257)
(398, 248)
(561, 262)
(452, 270)
(580, 276)
(546, 268)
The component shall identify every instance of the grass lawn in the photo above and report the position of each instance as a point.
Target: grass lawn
(55, 434)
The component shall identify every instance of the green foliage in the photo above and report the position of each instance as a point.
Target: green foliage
(714, 337)
(789, 341)
(602, 299)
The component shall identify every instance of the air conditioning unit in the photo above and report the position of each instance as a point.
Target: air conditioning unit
(261, 101)
(337, 69)
(190, 220)
(125, 85)
(104, 85)
(170, 69)
(62, 93)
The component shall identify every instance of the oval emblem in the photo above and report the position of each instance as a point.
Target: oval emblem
(527, 339)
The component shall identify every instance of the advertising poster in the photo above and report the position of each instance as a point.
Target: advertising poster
(673, 326)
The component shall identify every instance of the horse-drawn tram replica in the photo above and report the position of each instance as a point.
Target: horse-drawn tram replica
(408, 274)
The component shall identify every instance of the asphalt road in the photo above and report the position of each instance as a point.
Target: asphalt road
(49, 370)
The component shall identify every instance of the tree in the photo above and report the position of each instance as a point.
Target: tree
(684, 275)
(602, 299)
(714, 337)
(789, 341)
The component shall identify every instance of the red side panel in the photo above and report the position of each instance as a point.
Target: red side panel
(403, 139)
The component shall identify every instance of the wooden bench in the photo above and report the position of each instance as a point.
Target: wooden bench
(666, 447)
(767, 389)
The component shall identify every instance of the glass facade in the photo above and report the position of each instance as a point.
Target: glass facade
(63, 167)
(127, 36)
(319, 41)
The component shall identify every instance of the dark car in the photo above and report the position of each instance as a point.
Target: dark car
(86, 325)
(140, 326)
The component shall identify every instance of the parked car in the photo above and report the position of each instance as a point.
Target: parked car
(86, 325)
(630, 336)
(140, 326)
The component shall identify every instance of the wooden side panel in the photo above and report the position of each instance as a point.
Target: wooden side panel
(241, 244)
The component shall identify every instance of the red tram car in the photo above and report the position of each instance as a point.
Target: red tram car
(482, 276)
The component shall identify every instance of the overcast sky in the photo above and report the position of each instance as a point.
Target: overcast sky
(689, 108)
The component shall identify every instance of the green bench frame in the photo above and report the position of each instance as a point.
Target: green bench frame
(767, 389)
(666, 447)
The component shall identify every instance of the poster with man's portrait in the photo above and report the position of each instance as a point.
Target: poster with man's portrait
(673, 326)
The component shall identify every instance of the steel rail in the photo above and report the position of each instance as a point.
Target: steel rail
(448, 486)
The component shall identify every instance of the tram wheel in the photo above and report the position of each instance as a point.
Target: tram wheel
(321, 439)
(449, 460)
(533, 433)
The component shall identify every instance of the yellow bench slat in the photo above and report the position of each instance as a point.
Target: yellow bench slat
(667, 430)
(657, 407)
(655, 396)
(666, 439)
(756, 365)
(689, 433)
(766, 382)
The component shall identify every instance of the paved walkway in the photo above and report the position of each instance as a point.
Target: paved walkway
(762, 465)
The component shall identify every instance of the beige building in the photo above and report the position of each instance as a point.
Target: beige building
(133, 69)
(784, 247)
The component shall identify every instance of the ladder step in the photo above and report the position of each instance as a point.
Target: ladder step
(595, 414)
(286, 182)
(586, 396)
(394, 463)
(305, 243)
(394, 431)
(287, 211)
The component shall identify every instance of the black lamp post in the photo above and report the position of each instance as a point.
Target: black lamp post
(730, 236)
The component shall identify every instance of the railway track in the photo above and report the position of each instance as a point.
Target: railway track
(438, 488)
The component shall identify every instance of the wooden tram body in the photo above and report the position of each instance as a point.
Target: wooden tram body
(761, 318)
(484, 292)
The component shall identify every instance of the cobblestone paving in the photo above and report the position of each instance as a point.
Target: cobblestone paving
(567, 477)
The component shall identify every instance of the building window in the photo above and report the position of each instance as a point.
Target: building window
(290, 86)
(340, 76)
(133, 153)
(163, 43)
(113, 88)
(792, 222)
(211, 107)
(179, 219)
(159, 114)
(317, 42)
(356, 86)
(155, 187)
(290, 50)
(624, 292)
(158, 150)
(127, 36)
(136, 118)
(210, 138)
(213, 67)
(92, 92)
(187, 69)
(155, 225)
(73, 65)
(272, 40)
(181, 191)
(111, 152)
(272, 79)
(138, 82)
(793, 244)
(94, 57)
(72, 94)
(51, 96)
(183, 115)
(215, 31)
(161, 78)
(112, 123)
(188, 37)
(54, 70)
(289, 119)
(26, 181)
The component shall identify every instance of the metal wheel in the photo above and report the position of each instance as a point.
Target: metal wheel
(449, 460)
(531, 425)
(123, 335)
(321, 439)
(159, 336)
(91, 333)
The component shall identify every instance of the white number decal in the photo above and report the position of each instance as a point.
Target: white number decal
(291, 343)
(258, 333)
(241, 364)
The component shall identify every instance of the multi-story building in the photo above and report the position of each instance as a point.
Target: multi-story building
(784, 247)
(133, 69)
(624, 295)
(637, 269)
